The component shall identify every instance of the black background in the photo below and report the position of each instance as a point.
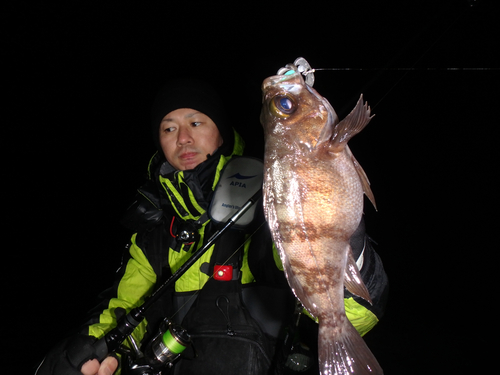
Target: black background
(79, 80)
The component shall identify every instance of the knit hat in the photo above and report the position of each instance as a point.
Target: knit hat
(195, 94)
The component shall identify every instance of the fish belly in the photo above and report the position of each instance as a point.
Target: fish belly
(313, 207)
(320, 209)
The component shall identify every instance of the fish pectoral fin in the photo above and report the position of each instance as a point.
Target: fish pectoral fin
(353, 281)
(365, 183)
(351, 125)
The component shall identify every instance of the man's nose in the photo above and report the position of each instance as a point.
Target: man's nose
(184, 136)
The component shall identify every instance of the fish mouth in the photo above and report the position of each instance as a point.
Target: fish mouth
(280, 78)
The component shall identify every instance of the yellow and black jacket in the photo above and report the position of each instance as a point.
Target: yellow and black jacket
(172, 201)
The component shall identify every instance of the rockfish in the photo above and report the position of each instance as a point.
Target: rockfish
(313, 202)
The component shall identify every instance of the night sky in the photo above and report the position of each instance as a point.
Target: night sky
(80, 79)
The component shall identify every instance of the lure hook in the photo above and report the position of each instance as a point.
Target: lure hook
(300, 65)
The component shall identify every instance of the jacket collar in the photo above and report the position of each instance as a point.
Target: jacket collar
(187, 194)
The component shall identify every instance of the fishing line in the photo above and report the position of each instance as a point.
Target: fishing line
(412, 67)
(368, 69)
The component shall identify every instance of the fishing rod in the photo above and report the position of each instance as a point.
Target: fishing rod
(112, 341)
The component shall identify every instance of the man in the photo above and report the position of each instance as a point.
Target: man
(195, 141)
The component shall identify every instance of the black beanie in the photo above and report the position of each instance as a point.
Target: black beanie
(194, 94)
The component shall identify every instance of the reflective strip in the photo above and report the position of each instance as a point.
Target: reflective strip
(361, 257)
(192, 200)
(176, 200)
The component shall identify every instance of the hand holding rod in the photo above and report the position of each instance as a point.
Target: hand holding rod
(125, 326)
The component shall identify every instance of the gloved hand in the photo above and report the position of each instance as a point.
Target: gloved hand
(67, 357)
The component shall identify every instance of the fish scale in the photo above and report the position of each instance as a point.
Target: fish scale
(313, 202)
(310, 232)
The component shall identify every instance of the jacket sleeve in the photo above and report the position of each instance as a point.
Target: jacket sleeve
(136, 281)
(363, 315)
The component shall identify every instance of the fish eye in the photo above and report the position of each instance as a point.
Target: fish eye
(283, 105)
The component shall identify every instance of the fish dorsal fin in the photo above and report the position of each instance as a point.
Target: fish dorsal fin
(365, 183)
(352, 279)
(350, 126)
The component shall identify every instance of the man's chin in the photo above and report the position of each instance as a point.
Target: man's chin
(186, 166)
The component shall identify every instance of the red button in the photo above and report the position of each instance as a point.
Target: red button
(223, 273)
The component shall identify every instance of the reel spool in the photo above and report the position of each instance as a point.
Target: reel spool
(169, 346)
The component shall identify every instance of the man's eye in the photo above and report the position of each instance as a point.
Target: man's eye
(196, 123)
(169, 130)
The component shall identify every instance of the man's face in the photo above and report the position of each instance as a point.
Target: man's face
(187, 137)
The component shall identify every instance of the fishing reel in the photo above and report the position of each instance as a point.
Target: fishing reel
(160, 354)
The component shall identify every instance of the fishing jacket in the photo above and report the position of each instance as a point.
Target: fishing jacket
(173, 202)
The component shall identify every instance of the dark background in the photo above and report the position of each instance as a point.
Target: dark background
(79, 80)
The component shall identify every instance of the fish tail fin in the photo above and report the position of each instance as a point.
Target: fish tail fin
(345, 353)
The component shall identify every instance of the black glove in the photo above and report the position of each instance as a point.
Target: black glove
(67, 357)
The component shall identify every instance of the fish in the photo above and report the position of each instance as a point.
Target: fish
(313, 195)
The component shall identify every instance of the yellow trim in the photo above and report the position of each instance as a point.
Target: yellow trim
(191, 280)
(170, 188)
(239, 146)
(360, 317)
(150, 164)
(191, 195)
(277, 258)
(136, 284)
(246, 274)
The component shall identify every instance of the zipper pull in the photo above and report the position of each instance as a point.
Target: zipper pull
(230, 331)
